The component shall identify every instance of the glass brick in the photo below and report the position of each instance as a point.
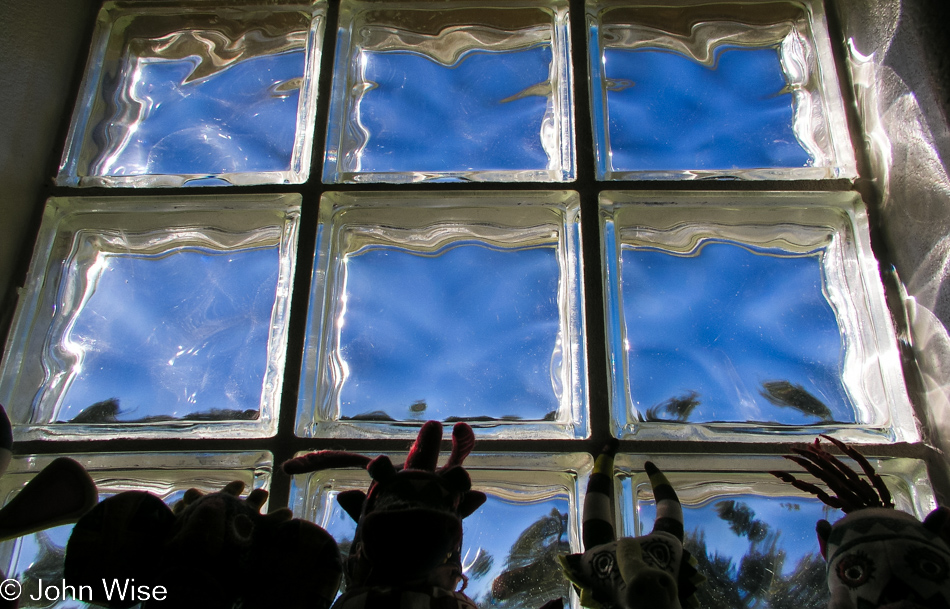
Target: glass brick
(40, 555)
(754, 536)
(683, 90)
(198, 95)
(510, 544)
(451, 91)
(154, 317)
(432, 306)
(741, 315)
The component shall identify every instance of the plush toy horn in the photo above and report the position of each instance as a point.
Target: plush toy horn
(598, 525)
(669, 511)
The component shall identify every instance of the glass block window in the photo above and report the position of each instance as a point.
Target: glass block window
(692, 90)
(742, 313)
(437, 209)
(474, 91)
(753, 536)
(510, 543)
(204, 95)
(154, 317)
(448, 308)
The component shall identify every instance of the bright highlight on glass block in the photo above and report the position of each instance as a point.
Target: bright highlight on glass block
(451, 91)
(154, 317)
(728, 90)
(752, 535)
(742, 315)
(510, 544)
(448, 308)
(200, 95)
(40, 556)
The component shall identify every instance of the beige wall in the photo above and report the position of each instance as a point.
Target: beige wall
(42, 41)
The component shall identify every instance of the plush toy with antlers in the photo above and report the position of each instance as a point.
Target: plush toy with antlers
(406, 551)
(878, 557)
(653, 571)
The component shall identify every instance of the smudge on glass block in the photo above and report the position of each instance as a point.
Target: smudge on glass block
(732, 315)
(752, 536)
(725, 90)
(196, 96)
(458, 92)
(40, 556)
(148, 316)
(510, 544)
(449, 309)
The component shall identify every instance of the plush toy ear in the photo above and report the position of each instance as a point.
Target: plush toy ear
(823, 528)
(61, 493)
(471, 501)
(936, 522)
(352, 503)
(381, 468)
(456, 478)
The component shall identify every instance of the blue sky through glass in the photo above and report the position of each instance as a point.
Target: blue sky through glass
(470, 332)
(667, 111)
(239, 119)
(485, 112)
(174, 334)
(720, 328)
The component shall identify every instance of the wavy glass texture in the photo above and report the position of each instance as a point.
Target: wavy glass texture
(683, 90)
(432, 307)
(510, 544)
(40, 556)
(732, 316)
(197, 97)
(752, 535)
(154, 318)
(451, 92)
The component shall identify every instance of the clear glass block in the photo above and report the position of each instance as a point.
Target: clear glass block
(682, 89)
(202, 94)
(451, 91)
(743, 315)
(167, 475)
(454, 308)
(754, 536)
(153, 317)
(510, 544)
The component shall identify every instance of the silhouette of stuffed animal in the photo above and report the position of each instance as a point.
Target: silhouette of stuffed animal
(406, 551)
(212, 550)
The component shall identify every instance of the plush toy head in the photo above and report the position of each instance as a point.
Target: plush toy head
(649, 572)
(878, 557)
(409, 522)
(211, 551)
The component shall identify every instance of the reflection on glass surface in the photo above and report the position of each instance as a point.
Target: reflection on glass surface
(458, 92)
(462, 309)
(731, 315)
(196, 96)
(167, 316)
(683, 90)
(40, 555)
(511, 543)
(754, 537)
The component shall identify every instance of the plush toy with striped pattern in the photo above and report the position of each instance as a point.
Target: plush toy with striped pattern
(652, 571)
